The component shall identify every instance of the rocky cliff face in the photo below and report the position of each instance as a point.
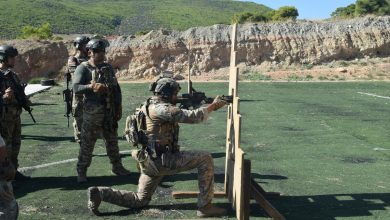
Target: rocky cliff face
(208, 48)
(304, 42)
(39, 58)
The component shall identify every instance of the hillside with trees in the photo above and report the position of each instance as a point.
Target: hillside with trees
(118, 17)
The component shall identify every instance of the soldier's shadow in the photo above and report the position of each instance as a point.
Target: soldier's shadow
(69, 183)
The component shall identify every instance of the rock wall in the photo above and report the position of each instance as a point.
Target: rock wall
(300, 42)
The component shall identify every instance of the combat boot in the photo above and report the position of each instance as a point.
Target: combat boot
(210, 211)
(81, 177)
(119, 170)
(94, 200)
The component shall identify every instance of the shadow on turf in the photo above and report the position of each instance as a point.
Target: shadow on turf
(47, 138)
(69, 183)
(327, 207)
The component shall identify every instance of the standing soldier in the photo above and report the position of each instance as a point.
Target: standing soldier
(162, 155)
(95, 79)
(8, 204)
(10, 123)
(80, 56)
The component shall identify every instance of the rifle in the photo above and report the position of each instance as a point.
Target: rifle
(67, 96)
(20, 96)
(194, 99)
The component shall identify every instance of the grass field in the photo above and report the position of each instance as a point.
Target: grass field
(325, 147)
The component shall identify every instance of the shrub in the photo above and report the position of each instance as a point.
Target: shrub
(42, 32)
(285, 13)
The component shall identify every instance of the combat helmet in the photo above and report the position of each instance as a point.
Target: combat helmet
(7, 51)
(80, 41)
(97, 44)
(165, 87)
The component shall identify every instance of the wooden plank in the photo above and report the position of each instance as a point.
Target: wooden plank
(230, 182)
(267, 206)
(228, 169)
(238, 188)
(268, 195)
(246, 185)
(194, 194)
(237, 131)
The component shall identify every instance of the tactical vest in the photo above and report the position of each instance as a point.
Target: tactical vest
(103, 74)
(163, 134)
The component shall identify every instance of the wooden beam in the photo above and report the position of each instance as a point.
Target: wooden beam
(246, 185)
(267, 206)
(194, 194)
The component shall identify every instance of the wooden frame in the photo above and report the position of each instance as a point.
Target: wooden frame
(239, 187)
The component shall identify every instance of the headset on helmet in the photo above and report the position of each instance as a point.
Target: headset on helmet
(165, 87)
(80, 41)
(7, 51)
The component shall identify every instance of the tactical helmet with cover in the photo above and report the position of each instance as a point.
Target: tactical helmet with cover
(80, 41)
(97, 44)
(165, 87)
(7, 51)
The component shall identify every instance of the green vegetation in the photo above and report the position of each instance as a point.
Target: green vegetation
(282, 14)
(42, 32)
(117, 16)
(319, 144)
(363, 7)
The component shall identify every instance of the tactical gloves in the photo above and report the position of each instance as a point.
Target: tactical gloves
(99, 88)
(8, 95)
(217, 104)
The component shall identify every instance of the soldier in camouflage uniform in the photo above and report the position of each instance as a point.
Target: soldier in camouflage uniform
(10, 123)
(8, 204)
(102, 110)
(80, 56)
(163, 156)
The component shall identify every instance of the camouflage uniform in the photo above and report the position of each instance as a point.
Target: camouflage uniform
(8, 204)
(162, 131)
(99, 112)
(10, 123)
(77, 103)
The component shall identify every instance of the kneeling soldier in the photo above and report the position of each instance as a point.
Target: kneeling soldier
(163, 156)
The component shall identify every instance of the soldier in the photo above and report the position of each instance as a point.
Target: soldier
(102, 110)
(10, 123)
(8, 204)
(163, 156)
(81, 55)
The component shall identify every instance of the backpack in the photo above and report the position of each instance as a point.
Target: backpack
(136, 126)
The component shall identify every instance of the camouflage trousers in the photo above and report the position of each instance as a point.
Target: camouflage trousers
(77, 118)
(11, 131)
(175, 163)
(94, 126)
(8, 205)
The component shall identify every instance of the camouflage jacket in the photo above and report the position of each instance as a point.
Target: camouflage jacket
(162, 122)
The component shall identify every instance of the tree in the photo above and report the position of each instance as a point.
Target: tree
(249, 17)
(285, 13)
(364, 7)
(348, 11)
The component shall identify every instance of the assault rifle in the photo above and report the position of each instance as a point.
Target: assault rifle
(194, 99)
(19, 94)
(67, 95)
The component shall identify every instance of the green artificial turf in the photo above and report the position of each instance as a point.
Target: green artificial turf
(316, 143)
